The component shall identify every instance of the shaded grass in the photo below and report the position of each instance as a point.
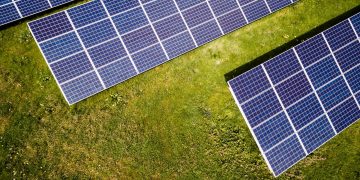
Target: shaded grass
(175, 121)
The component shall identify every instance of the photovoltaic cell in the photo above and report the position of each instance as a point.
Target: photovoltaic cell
(136, 34)
(12, 10)
(300, 99)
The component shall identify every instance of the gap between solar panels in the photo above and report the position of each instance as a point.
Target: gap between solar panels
(94, 46)
(12, 10)
(300, 99)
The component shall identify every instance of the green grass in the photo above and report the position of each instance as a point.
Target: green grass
(178, 120)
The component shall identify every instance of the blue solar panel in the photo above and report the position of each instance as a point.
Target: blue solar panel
(141, 34)
(15, 10)
(300, 99)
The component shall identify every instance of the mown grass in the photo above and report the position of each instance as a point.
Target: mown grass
(175, 121)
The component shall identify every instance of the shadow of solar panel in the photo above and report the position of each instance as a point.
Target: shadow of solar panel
(142, 33)
(15, 10)
(300, 99)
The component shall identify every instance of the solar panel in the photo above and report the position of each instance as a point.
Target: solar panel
(300, 99)
(117, 40)
(12, 10)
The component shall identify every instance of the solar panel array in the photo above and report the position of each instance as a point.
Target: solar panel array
(97, 45)
(12, 10)
(300, 99)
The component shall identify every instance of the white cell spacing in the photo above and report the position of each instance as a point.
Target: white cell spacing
(284, 109)
(186, 24)
(251, 131)
(153, 28)
(18, 10)
(267, 5)
(242, 12)
(119, 36)
(86, 52)
(342, 73)
(314, 90)
(216, 20)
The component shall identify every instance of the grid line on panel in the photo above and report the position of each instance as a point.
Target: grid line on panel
(119, 36)
(267, 5)
(280, 142)
(251, 130)
(353, 28)
(17, 9)
(153, 28)
(311, 122)
(77, 77)
(51, 70)
(342, 73)
(50, 3)
(85, 50)
(314, 90)
(242, 12)
(284, 109)
(340, 103)
(187, 26)
(216, 20)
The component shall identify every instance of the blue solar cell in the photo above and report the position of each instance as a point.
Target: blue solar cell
(231, 21)
(59, 2)
(116, 72)
(261, 108)
(184, 4)
(87, 13)
(116, 6)
(353, 78)
(256, 10)
(323, 71)
(305, 111)
(245, 2)
(285, 155)
(293, 89)
(179, 44)
(29, 7)
(282, 66)
(345, 114)
(221, 7)
(149, 58)
(140, 39)
(249, 84)
(107, 52)
(71, 67)
(312, 50)
(61, 47)
(2, 2)
(316, 134)
(159, 9)
(333, 93)
(273, 131)
(355, 20)
(170, 26)
(340, 35)
(197, 15)
(82, 87)
(349, 56)
(314, 116)
(97, 33)
(178, 32)
(130, 20)
(206, 32)
(278, 4)
(50, 26)
(8, 13)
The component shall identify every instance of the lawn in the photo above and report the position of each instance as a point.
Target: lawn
(178, 120)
